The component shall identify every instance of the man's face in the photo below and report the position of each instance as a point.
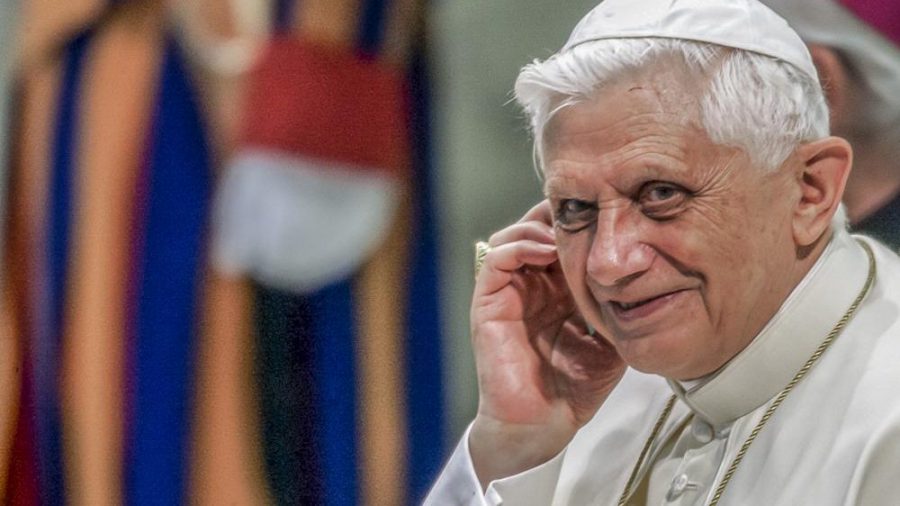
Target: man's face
(677, 250)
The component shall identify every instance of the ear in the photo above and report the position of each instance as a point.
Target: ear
(835, 79)
(821, 174)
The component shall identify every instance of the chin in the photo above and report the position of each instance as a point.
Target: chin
(671, 356)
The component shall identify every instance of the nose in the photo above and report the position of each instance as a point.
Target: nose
(617, 253)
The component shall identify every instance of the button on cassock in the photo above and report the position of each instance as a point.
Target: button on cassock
(702, 431)
(679, 484)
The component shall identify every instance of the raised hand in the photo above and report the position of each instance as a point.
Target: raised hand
(541, 375)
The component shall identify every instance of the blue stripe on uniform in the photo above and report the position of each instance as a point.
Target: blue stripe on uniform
(372, 26)
(424, 383)
(334, 321)
(168, 280)
(284, 15)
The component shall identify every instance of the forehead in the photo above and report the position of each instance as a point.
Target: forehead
(641, 123)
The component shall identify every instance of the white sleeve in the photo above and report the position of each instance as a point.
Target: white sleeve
(458, 484)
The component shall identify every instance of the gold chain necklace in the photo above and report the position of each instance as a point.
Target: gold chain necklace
(779, 399)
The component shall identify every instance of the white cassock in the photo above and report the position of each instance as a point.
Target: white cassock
(835, 440)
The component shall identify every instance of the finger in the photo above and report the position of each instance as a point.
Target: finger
(512, 256)
(545, 341)
(576, 326)
(529, 230)
(547, 297)
(541, 212)
(503, 261)
(596, 356)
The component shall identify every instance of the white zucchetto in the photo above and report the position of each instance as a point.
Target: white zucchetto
(740, 24)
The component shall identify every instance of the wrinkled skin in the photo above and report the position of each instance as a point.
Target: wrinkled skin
(677, 250)
(538, 367)
(647, 208)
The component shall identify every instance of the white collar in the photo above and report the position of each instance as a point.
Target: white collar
(768, 363)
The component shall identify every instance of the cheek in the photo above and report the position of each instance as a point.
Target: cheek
(710, 240)
(573, 253)
(573, 250)
(715, 257)
(718, 231)
(734, 272)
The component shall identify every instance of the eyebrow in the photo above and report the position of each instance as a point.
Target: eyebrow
(553, 187)
(549, 189)
(643, 167)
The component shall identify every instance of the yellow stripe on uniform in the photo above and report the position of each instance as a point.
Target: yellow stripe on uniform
(381, 292)
(227, 462)
(332, 22)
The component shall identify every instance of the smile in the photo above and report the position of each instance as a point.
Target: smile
(627, 311)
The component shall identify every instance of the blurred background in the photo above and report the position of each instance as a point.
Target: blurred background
(238, 237)
(238, 234)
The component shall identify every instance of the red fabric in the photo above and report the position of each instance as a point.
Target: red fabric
(327, 103)
(22, 487)
(882, 15)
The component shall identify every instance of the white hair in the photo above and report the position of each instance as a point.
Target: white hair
(756, 103)
(753, 102)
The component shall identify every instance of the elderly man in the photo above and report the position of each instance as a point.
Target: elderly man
(685, 319)
(855, 45)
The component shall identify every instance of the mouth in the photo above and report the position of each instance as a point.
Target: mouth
(634, 310)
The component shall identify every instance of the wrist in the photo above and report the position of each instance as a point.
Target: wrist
(500, 450)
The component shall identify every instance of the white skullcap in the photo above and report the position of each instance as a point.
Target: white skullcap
(740, 24)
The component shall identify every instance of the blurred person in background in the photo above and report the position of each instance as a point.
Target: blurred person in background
(219, 282)
(855, 45)
(104, 272)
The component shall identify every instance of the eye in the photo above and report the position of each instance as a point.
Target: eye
(573, 215)
(660, 193)
(661, 200)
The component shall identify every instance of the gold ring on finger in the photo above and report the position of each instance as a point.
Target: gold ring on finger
(481, 250)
